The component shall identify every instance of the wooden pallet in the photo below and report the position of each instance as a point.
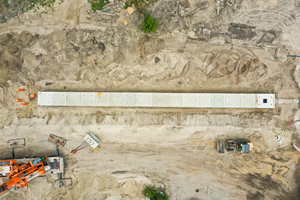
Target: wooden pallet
(54, 138)
(17, 142)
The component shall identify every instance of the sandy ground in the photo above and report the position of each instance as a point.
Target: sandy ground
(244, 49)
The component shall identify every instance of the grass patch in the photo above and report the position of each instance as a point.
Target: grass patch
(42, 3)
(47, 3)
(154, 194)
(149, 24)
(98, 4)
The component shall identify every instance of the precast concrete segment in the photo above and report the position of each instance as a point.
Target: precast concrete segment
(172, 100)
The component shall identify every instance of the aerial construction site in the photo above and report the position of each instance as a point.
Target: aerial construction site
(150, 99)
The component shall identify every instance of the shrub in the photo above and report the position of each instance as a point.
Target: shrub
(154, 194)
(149, 24)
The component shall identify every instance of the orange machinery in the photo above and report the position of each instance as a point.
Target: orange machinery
(19, 175)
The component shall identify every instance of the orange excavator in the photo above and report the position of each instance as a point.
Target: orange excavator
(19, 175)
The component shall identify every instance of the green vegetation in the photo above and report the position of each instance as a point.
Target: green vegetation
(98, 4)
(154, 194)
(149, 24)
(47, 3)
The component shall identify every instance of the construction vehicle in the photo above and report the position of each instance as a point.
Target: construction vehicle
(19, 172)
(20, 175)
(241, 145)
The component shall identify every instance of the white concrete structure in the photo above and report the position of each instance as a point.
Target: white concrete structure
(92, 140)
(137, 99)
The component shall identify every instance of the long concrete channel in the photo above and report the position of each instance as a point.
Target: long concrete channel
(172, 100)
